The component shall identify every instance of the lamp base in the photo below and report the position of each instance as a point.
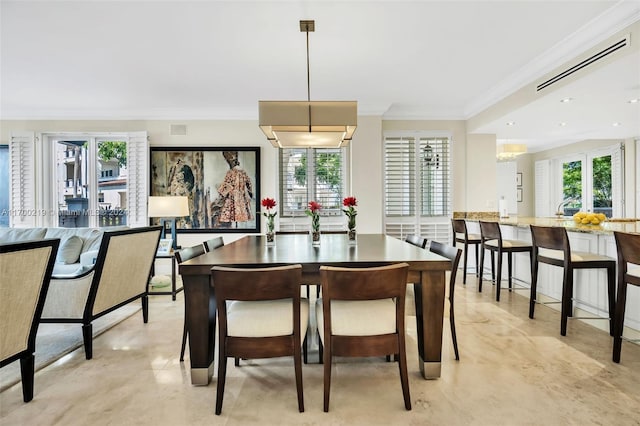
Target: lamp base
(171, 229)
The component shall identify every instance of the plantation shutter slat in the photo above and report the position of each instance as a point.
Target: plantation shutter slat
(22, 180)
(137, 179)
(417, 186)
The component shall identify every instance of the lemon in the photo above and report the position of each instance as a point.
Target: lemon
(601, 217)
(595, 221)
(585, 221)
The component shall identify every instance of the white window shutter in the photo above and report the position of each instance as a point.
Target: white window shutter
(22, 180)
(543, 188)
(617, 172)
(138, 176)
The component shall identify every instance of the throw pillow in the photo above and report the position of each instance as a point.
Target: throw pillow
(69, 250)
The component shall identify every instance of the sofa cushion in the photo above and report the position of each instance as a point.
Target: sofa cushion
(91, 237)
(69, 251)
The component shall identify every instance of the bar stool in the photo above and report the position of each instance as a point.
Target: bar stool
(628, 273)
(460, 235)
(551, 246)
(491, 239)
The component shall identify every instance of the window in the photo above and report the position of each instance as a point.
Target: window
(312, 174)
(58, 179)
(589, 182)
(417, 186)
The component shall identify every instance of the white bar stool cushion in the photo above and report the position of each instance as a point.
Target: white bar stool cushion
(265, 318)
(634, 270)
(359, 317)
(576, 256)
(507, 243)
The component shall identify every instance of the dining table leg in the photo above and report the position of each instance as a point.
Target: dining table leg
(200, 309)
(429, 300)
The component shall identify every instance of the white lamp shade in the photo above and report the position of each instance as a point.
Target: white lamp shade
(168, 206)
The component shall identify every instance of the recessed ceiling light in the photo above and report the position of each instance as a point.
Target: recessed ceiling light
(634, 101)
(565, 100)
(562, 124)
(616, 124)
(511, 123)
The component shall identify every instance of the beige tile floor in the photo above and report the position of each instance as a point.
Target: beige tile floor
(513, 371)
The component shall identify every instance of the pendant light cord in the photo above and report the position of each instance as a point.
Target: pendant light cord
(308, 79)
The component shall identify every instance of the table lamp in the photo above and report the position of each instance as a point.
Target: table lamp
(168, 208)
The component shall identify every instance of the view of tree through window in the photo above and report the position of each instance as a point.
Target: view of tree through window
(572, 184)
(598, 181)
(602, 194)
(311, 174)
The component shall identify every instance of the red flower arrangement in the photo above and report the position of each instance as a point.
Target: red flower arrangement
(350, 211)
(312, 211)
(269, 203)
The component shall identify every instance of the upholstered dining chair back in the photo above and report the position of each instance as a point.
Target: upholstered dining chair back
(628, 246)
(25, 269)
(182, 256)
(416, 240)
(213, 244)
(260, 315)
(453, 254)
(187, 253)
(361, 314)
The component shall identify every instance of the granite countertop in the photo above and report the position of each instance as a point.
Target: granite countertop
(625, 225)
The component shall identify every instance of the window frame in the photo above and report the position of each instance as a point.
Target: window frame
(290, 219)
(437, 226)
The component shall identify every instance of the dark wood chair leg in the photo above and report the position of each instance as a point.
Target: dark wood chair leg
(145, 308)
(327, 379)
(476, 245)
(481, 270)
(222, 376)
(87, 337)
(404, 376)
(464, 271)
(452, 321)
(567, 303)
(534, 286)
(27, 371)
(611, 291)
(184, 341)
(619, 321)
(499, 276)
(298, 371)
(510, 269)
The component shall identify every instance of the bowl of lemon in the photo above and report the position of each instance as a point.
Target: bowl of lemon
(584, 218)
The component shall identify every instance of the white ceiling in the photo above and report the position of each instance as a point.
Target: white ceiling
(403, 60)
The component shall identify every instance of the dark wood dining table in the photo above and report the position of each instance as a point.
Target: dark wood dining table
(426, 271)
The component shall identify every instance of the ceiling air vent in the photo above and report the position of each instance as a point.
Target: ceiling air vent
(590, 60)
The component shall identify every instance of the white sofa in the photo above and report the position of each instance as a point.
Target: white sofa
(78, 246)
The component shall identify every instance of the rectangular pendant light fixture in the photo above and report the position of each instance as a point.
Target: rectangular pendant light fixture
(310, 124)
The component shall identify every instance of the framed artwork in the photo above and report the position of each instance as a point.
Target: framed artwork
(222, 183)
(164, 246)
(518, 179)
(519, 195)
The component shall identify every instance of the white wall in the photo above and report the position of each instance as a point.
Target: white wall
(481, 173)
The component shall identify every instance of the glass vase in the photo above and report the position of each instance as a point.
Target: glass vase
(271, 238)
(352, 236)
(315, 238)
